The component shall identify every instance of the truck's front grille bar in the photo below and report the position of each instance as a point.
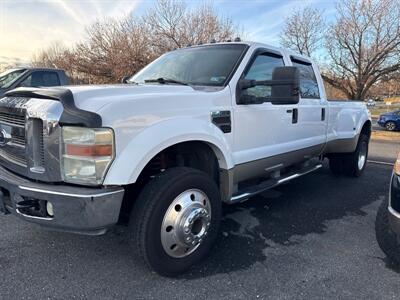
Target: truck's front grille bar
(13, 158)
(14, 150)
(12, 119)
(18, 140)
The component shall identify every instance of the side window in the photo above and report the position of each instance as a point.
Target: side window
(41, 78)
(26, 82)
(261, 69)
(308, 81)
(50, 79)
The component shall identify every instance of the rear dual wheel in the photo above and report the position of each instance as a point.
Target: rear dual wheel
(175, 220)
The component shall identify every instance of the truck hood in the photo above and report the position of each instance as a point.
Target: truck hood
(94, 97)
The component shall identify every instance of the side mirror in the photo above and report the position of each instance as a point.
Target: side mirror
(284, 87)
(125, 79)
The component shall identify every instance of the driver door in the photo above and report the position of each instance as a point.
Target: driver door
(262, 132)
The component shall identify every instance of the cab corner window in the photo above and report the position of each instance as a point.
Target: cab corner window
(308, 82)
(261, 69)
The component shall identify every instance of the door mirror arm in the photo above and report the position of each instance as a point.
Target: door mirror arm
(247, 99)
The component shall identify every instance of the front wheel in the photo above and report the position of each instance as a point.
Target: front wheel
(175, 220)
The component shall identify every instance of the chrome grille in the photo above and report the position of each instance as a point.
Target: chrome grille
(14, 158)
(18, 140)
(32, 129)
(14, 150)
(12, 119)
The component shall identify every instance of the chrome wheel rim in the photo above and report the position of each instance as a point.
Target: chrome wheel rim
(390, 126)
(362, 155)
(186, 223)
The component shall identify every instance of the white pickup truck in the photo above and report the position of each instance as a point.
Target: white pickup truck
(197, 127)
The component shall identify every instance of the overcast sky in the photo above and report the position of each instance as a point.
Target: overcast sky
(26, 26)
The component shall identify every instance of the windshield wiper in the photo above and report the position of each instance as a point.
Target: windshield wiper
(165, 80)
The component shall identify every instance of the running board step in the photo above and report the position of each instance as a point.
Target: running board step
(271, 183)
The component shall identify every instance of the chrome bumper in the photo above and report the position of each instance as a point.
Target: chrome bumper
(76, 209)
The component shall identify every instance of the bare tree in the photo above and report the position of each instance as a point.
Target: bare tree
(363, 45)
(51, 57)
(115, 48)
(112, 50)
(303, 31)
(173, 25)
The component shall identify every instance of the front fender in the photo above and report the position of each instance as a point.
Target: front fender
(131, 160)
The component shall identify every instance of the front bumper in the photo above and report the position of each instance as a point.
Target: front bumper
(76, 209)
(394, 204)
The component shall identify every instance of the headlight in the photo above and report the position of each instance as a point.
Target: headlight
(86, 154)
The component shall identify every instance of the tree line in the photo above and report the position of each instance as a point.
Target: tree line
(358, 51)
(116, 48)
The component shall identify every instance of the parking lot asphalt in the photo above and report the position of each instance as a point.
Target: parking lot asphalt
(312, 238)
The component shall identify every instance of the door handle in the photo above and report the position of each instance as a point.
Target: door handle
(295, 114)
(323, 114)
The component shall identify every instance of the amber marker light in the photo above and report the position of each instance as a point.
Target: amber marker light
(89, 150)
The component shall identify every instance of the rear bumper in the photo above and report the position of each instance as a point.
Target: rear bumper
(394, 204)
(76, 209)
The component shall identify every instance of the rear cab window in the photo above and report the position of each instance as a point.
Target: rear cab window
(309, 88)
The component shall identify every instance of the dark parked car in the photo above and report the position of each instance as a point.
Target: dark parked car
(390, 120)
(387, 225)
(31, 77)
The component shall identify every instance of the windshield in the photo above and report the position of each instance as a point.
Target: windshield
(204, 65)
(7, 77)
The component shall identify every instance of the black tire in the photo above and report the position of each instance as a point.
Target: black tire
(390, 126)
(351, 160)
(347, 163)
(386, 238)
(148, 214)
(336, 164)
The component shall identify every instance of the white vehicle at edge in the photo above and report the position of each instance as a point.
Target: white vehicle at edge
(199, 126)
